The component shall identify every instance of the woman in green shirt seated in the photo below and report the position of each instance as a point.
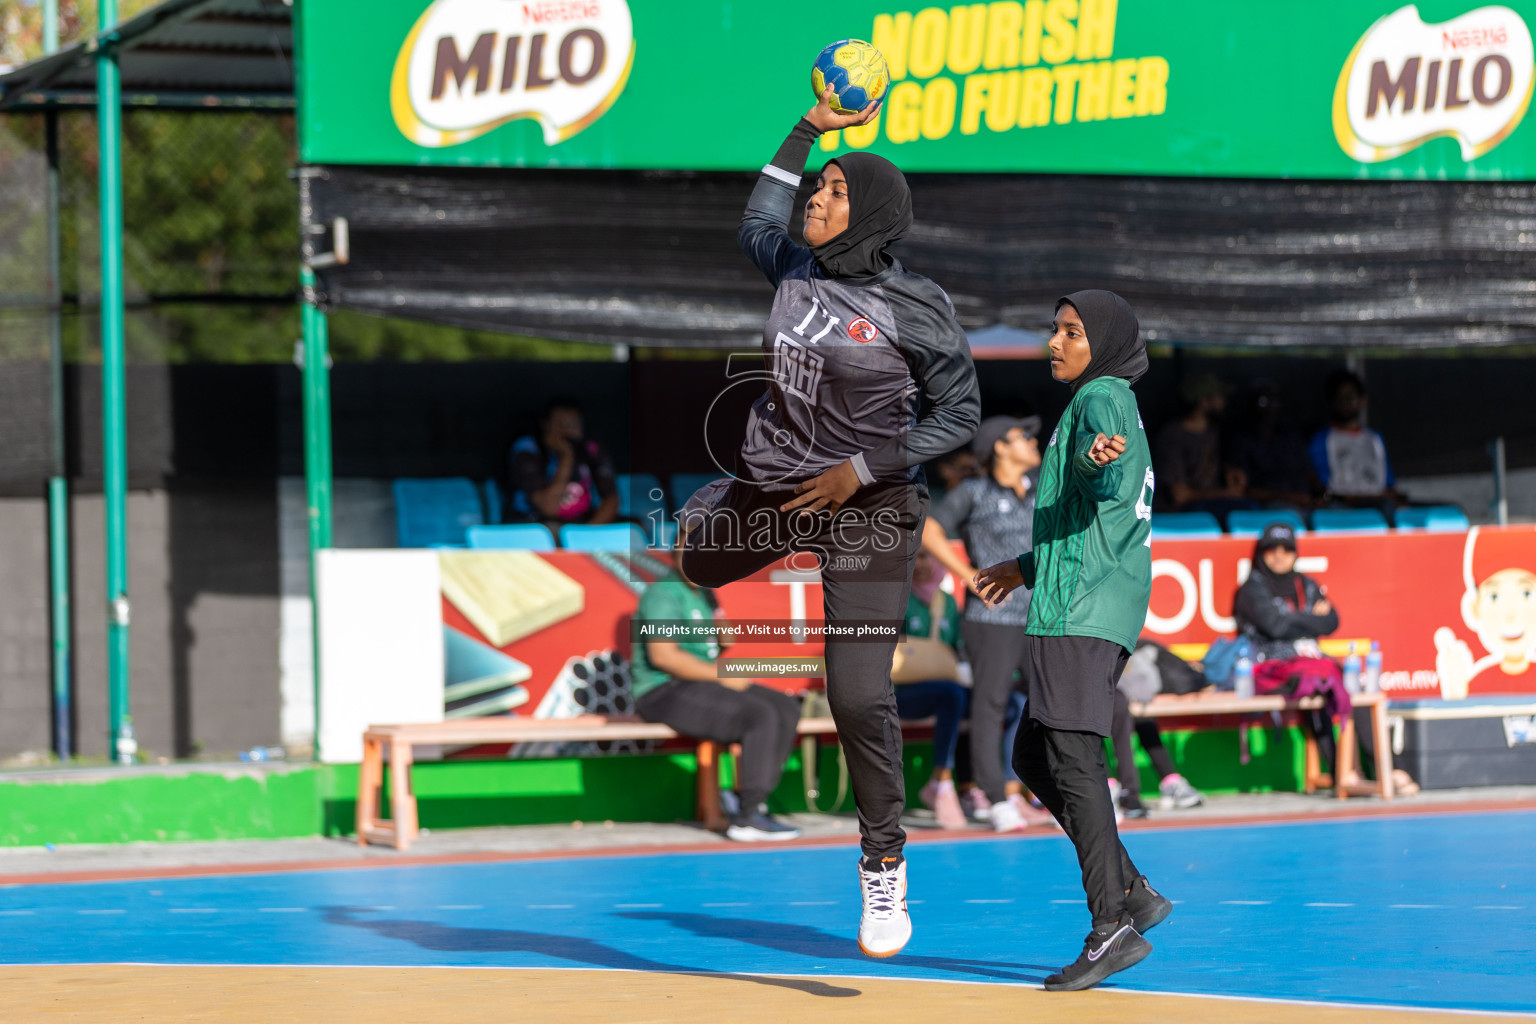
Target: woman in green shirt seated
(676, 682)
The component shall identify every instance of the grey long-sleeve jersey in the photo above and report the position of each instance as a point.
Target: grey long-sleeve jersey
(872, 369)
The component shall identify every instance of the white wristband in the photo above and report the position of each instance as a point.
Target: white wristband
(862, 469)
(779, 174)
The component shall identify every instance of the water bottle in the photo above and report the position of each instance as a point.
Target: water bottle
(1242, 677)
(127, 748)
(1352, 671)
(1371, 679)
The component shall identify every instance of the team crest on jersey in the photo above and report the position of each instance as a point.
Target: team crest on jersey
(862, 331)
(797, 369)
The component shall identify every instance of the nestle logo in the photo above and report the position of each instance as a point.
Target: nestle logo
(1470, 38)
(561, 10)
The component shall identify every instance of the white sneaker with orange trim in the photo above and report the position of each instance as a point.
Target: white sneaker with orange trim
(884, 927)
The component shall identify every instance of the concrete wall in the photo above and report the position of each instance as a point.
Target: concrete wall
(203, 584)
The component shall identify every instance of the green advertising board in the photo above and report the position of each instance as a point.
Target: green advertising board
(1306, 88)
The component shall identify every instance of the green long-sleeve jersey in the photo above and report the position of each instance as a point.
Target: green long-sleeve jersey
(1091, 566)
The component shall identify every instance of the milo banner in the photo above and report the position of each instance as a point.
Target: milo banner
(1310, 88)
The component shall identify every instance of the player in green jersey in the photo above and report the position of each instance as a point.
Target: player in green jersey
(1091, 570)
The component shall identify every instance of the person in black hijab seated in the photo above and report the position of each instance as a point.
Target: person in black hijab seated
(870, 376)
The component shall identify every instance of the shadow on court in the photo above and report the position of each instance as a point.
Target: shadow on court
(440, 937)
(803, 940)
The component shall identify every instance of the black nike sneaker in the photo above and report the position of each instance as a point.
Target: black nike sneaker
(1148, 907)
(1108, 949)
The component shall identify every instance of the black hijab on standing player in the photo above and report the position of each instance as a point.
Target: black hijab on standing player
(1114, 337)
(879, 213)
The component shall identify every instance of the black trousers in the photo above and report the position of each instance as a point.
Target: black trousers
(865, 555)
(1065, 767)
(762, 720)
(1320, 727)
(1066, 771)
(996, 653)
(1151, 741)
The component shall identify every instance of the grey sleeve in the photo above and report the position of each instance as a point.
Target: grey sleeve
(764, 231)
(955, 510)
(939, 358)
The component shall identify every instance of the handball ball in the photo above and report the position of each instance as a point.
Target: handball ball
(856, 70)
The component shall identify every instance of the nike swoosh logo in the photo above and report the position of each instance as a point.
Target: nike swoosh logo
(1094, 954)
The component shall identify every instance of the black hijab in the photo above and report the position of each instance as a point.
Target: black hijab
(1114, 336)
(1285, 585)
(879, 212)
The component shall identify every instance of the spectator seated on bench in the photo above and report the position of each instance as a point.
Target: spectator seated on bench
(677, 682)
(1283, 613)
(1152, 670)
(558, 475)
(926, 672)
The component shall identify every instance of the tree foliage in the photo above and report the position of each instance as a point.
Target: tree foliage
(211, 235)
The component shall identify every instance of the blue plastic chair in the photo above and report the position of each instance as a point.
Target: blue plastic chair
(435, 512)
(512, 537)
(1185, 526)
(1434, 518)
(491, 491)
(684, 484)
(1251, 522)
(1349, 520)
(607, 537)
(640, 495)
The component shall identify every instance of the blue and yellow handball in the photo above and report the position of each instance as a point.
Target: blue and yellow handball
(855, 70)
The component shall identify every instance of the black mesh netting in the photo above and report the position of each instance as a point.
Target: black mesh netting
(651, 257)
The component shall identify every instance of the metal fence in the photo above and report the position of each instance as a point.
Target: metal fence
(211, 236)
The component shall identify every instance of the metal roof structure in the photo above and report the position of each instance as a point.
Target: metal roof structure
(181, 53)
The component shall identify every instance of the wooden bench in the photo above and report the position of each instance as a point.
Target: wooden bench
(399, 742)
(1224, 703)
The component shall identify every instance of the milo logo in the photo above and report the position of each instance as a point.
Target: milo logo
(469, 66)
(1407, 82)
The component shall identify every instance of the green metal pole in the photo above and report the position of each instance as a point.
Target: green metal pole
(317, 456)
(58, 486)
(317, 383)
(50, 25)
(114, 421)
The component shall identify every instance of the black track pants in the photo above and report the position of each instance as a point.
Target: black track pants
(762, 720)
(1066, 771)
(996, 654)
(1151, 741)
(865, 554)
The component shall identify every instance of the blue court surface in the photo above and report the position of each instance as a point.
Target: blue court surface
(1433, 911)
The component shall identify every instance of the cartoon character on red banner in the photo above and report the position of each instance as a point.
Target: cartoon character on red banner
(1499, 605)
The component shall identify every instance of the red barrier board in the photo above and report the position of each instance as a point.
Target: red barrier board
(1454, 613)
(610, 595)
